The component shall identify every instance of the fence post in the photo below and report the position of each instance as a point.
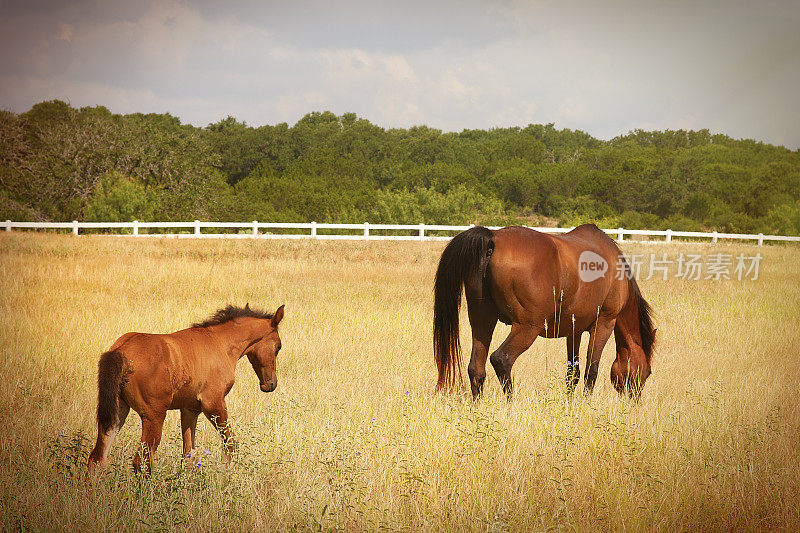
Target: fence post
(366, 231)
(669, 235)
(314, 229)
(255, 228)
(422, 231)
(620, 235)
(714, 237)
(761, 239)
(74, 227)
(8, 225)
(197, 228)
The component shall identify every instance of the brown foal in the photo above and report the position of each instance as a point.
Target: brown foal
(191, 370)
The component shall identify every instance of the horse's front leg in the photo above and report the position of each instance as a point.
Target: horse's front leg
(217, 413)
(598, 337)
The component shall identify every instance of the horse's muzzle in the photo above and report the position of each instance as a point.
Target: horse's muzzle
(269, 387)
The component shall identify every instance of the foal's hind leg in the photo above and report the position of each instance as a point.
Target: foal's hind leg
(188, 428)
(573, 361)
(152, 426)
(106, 438)
(519, 340)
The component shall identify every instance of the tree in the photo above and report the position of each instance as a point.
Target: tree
(122, 198)
(62, 163)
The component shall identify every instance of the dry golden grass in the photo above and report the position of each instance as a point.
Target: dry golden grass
(354, 438)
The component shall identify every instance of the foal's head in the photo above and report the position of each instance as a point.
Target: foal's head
(262, 355)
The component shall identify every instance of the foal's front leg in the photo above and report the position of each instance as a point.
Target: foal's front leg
(217, 413)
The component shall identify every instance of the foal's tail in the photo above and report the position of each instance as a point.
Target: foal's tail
(111, 374)
(464, 259)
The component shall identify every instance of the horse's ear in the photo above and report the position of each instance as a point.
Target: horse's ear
(247, 306)
(277, 317)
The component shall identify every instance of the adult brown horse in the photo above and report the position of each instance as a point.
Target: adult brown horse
(191, 370)
(542, 285)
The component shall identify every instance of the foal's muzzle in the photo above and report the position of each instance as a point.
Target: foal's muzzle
(269, 386)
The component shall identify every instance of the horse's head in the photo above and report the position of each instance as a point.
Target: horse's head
(630, 370)
(263, 354)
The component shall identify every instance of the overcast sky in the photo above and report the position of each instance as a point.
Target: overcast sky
(602, 67)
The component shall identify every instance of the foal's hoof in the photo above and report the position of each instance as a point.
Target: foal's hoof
(193, 461)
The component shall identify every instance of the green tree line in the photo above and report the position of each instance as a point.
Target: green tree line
(60, 163)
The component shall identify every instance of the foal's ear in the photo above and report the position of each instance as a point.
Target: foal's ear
(277, 317)
(247, 306)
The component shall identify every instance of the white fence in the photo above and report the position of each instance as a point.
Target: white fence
(365, 231)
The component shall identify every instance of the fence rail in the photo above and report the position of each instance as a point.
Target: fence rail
(365, 231)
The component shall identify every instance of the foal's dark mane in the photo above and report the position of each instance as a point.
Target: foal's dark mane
(230, 312)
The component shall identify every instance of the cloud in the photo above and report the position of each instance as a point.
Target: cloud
(398, 68)
(453, 88)
(65, 32)
(603, 68)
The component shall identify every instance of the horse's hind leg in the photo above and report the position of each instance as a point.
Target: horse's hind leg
(106, 438)
(483, 319)
(573, 361)
(502, 359)
(598, 337)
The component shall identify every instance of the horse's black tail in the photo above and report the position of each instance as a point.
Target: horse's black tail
(110, 379)
(464, 258)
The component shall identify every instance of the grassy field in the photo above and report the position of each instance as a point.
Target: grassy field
(354, 437)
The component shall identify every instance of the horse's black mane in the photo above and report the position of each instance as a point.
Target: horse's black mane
(646, 328)
(230, 312)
